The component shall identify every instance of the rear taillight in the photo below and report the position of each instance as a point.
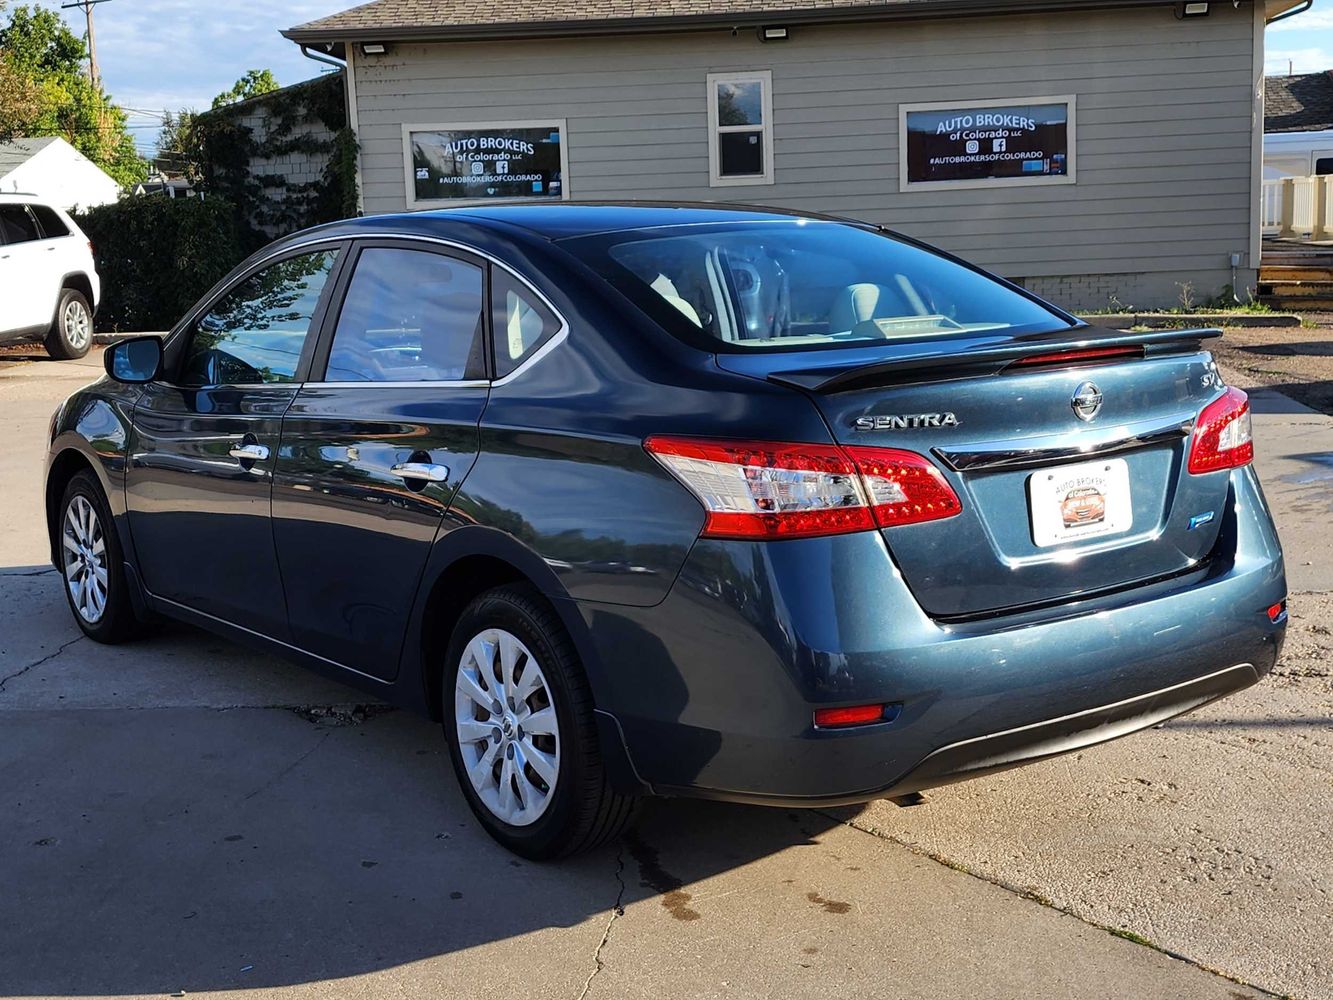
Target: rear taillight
(767, 489)
(1222, 438)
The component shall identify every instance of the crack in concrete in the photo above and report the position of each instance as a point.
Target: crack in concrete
(11, 574)
(289, 768)
(37, 663)
(1038, 898)
(617, 912)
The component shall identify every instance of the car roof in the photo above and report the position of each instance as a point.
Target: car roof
(563, 220)
(11, 197)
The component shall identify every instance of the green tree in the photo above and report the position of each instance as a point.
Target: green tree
(45, 91)
(255, 83)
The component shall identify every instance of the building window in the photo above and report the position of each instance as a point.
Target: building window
(485, 161)
(740, 128)
(972, 144)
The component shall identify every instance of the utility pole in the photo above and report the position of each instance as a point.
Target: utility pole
(94, 75)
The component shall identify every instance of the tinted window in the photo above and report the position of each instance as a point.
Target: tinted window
(53, 227)
(17, 225)
(256, 332)
(1323, 166)
(522, 323)
(409, 316)
(795, 285)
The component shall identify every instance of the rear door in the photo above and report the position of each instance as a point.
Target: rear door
(200, 474)
(27, 289)
(375, 445)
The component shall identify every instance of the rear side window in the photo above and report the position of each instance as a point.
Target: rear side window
(256, 332)
(409, 316)
(52, 226)
(17, 224)
(802, 284)
(521, 321)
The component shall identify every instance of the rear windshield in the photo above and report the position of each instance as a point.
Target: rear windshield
(804, 284)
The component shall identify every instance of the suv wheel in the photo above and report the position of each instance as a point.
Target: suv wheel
(91, 564)
(72, 332)
(518, 716)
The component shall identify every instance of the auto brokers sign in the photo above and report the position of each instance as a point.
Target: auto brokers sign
(985, 144)
(505, 161)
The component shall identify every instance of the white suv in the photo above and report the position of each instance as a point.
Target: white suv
(48, 285)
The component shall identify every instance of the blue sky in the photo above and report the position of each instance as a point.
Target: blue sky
(161, 55)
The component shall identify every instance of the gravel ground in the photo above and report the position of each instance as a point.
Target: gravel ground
(1296, 361)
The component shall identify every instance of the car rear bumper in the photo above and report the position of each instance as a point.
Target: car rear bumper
(715, 688)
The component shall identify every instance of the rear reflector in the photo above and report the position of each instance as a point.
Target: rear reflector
(857, 715)
(1083, 356)
(770, 489)
(1278, 613)
(1223, 438)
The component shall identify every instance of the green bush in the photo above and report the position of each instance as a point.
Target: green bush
(157, 256)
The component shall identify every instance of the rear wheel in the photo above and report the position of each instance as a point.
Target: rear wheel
(91, 564)
(72, 332)
(518, 716)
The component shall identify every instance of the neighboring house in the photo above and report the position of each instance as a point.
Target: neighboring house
(1090, 150)
(1298, 125)
(290, 138)
(55, 171)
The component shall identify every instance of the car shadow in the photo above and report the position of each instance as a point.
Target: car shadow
(199, 848)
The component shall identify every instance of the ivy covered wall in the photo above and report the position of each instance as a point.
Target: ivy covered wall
(285, 160)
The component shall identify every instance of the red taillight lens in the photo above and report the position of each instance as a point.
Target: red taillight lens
(1223, 438)
(768, 489)
(856, 715)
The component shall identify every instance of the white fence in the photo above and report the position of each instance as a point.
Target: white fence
(1298, 208)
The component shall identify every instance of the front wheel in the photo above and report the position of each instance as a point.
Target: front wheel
(91, 564)
(72, 332)
(518, 716)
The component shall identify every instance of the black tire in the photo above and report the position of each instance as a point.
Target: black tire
(68, 340)
(584, 811)
(117, 621)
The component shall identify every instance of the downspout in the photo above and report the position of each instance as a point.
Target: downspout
(346, 69)
(1272, 20)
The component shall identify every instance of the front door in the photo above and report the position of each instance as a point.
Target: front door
(198, 486)
(27, 291)
(374, 448)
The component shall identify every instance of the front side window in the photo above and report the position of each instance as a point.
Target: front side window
(740, 120)
(802, 284)
(409, 316)
(256, 332)
(17, 225)
(522, 322)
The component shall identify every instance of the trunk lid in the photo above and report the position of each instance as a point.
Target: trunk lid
(1055, 506)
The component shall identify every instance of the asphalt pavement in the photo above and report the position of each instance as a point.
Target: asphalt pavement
(181, 814)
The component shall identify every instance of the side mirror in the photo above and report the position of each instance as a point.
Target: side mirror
(134, 362)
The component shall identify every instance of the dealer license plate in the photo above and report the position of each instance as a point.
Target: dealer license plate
(1075, 502)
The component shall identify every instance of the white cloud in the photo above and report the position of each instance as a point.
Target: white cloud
(1280, 62)
(172, 54)
(1312, 20)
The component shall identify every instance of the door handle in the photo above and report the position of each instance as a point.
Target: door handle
(421, 472)
(249, 452)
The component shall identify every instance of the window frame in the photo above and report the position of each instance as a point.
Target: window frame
(415, 204)
(318, 374)
(26, 209)
(41, 226)
(1045, 180)
(180, 339)
(764, 77)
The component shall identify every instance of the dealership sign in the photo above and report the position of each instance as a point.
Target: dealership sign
(985, 144)
(480, 162)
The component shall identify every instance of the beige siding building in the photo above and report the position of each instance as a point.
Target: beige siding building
(1103, 154)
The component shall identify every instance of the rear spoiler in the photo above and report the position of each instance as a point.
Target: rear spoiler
(934, 361)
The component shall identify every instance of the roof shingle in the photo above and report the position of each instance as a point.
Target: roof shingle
(1298, 103)
(445, 19)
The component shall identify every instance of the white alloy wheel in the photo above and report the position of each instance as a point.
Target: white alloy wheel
(84, 548)
(506, 727)
(78, 325)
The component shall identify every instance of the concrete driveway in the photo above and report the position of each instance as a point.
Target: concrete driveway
(183, 815)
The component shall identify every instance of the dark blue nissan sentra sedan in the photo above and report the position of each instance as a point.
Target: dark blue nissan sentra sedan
(678, 500)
